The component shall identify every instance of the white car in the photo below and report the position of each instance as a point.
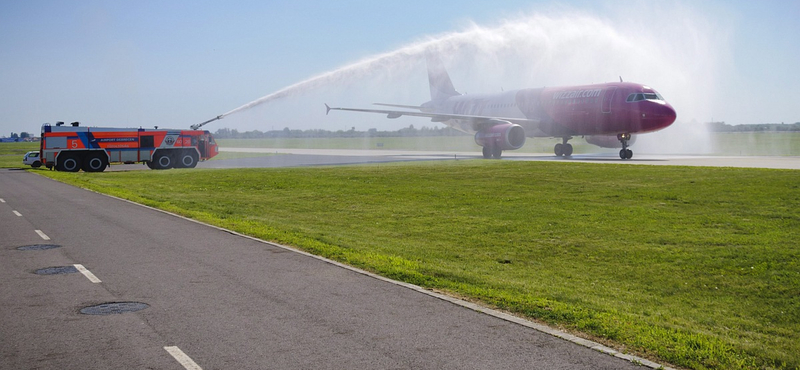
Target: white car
(32, 159)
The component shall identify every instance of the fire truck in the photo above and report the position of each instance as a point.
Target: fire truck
(72, 148)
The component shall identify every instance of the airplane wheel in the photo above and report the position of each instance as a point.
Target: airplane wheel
(567, 150)
(497, 152)
(559, 150)
(626, 154)
(487, 152)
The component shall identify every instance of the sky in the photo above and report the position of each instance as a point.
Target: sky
(177, 63)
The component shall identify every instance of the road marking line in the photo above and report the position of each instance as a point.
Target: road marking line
(17, 213)
(89, 275)
(43, 235)
(2, 200)
(182, 358)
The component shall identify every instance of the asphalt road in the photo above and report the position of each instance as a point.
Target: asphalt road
(222, 301)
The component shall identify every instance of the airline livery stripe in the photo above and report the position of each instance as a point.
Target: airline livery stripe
(182, 358)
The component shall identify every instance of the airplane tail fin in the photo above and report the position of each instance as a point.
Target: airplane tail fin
(441, 86)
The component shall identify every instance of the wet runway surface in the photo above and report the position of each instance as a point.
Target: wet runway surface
(316, 157)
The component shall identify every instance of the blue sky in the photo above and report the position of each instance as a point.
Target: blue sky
(175, 63)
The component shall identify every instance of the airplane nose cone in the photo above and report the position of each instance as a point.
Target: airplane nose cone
(659, 116)
(669, 115)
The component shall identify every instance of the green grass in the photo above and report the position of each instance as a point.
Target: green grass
(757, 143)
(698, 267)
(11, 154)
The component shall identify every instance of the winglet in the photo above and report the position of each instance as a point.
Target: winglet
(620, 78)
(327, 109)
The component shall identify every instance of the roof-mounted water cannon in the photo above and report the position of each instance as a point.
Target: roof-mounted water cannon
(197, 126)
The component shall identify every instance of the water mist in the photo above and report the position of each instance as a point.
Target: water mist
(678, 54)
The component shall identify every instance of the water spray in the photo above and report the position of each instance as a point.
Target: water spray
(541, 50)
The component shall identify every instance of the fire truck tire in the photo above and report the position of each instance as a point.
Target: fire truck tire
(163, 161)
(150, 164)
(188, 159)
(69, 162)
(95, 162)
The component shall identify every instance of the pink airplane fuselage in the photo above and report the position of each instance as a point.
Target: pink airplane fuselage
(600, 109)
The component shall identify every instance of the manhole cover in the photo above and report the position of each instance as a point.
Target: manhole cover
(38, 247)
(115, 307)
(57, 270)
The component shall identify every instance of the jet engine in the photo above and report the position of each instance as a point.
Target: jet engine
(502, 135)
(608, 141)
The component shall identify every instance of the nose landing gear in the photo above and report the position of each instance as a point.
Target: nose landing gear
(625, 153)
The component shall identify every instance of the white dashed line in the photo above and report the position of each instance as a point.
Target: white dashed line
(89, 275)
(17, 213)
(43, 235)
(2, 200)
(182, 358)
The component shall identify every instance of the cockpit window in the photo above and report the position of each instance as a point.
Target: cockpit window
(644, 96)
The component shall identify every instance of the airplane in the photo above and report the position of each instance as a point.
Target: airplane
(607, 115)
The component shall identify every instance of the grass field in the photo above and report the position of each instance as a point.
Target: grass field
(11, 154)
(698, 267)
(757, 143)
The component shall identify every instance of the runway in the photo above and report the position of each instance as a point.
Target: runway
(311, 157)
(211, 299)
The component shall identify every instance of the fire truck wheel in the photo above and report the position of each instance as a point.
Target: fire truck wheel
(95, 162)
(69, 163)
(150, 164)
(163, 161)
(187, 160)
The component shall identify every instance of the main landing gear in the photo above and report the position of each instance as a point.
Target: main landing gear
(563, 149)
(492, 152)
(625, 153)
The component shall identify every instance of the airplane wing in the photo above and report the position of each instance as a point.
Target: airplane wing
(439, 117)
